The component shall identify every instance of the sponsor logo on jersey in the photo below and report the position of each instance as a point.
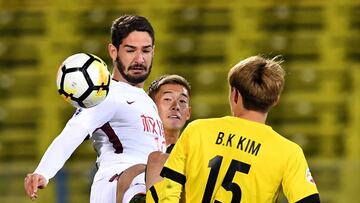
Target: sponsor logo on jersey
(309, 177)
(155, 127)
(129, 102)
(152, 125)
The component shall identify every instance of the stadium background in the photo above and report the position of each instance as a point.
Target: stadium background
(201, 40)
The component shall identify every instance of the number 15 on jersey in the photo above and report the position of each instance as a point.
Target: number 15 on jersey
(227, 182)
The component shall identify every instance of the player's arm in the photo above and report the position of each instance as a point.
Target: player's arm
(151, 194)
(155, 164)
(54, 158)
(298, 184)
(315, 198)
(83, 123)
(166, 191)
(125, 179)
(172, 185)
(173, 171)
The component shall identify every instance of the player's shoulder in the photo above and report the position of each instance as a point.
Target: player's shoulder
(108, 104)
(116, 86)
(118, 91)
(285, 143)
(124, 91)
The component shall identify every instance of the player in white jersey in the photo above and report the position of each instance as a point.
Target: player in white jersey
(125, 127)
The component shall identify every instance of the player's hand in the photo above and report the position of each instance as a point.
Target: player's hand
(32, 182)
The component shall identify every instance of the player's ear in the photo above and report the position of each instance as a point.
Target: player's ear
(188, 113)
(113, 52)
(276, 101)
(234, 95)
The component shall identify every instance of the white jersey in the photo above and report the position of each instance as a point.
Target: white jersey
(125, 129)
(128, 130)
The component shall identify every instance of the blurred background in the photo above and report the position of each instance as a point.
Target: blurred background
(199, 39)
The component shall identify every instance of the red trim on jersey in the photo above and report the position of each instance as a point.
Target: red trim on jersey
(113, 138)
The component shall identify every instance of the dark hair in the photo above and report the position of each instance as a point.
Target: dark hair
(167, 79)
(126, 24)
(259, 81)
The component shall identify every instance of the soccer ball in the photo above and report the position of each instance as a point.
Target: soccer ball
(83, 80)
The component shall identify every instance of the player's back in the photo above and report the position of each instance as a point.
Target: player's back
(230, 159)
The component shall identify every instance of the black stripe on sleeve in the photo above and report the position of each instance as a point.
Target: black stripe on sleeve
(170, 148)
(314, 198)
(154, 194)
(173, 175)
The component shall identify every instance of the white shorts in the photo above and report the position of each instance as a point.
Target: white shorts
(137, 186)
(103, 191)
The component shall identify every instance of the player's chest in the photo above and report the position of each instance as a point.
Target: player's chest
(139, 115)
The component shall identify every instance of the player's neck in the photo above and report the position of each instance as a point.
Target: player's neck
(252, 116)
(171, 136)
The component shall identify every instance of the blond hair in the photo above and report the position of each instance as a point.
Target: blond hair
(260, 81)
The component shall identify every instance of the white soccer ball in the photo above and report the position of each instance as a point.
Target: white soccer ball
(83, 80)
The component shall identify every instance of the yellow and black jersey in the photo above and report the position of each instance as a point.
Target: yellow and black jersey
(151, 194)
(230, 159)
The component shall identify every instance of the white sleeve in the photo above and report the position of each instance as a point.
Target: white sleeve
(84, 122)
(61, 149)
(95, 117)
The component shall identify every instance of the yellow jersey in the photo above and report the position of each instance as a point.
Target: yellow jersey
(231, 159)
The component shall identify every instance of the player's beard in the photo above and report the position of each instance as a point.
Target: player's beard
(131, 78)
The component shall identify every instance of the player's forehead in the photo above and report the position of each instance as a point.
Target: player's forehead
(173, 89)
(137, 39)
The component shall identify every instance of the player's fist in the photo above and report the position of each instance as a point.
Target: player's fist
(32, 182)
